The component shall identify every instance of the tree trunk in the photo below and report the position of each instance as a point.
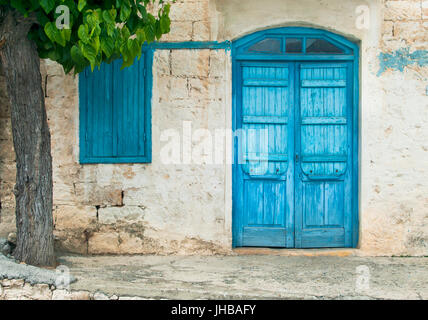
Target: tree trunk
(31, 139)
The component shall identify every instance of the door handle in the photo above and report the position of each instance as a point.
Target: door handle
(297, 157)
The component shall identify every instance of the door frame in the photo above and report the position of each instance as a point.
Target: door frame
(350, 54)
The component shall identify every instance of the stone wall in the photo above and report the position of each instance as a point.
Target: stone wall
(186, 209)
(143, 208)
(18, 289)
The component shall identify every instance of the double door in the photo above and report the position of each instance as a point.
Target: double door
(293, 160)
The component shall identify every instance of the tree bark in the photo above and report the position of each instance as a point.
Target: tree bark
(31, 139)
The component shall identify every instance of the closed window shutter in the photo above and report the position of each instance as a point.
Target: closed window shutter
(115, 119)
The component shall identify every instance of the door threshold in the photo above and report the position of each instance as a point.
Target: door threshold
(320, 252)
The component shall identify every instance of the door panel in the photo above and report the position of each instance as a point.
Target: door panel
(323, 182)
(265, 146)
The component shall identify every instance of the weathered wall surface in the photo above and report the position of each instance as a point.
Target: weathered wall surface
(144, 208)
(186, 208)
(394, 146)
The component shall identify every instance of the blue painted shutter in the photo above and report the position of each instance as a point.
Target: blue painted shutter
(114, 114)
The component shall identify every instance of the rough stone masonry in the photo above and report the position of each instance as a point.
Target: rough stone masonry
(186, 209)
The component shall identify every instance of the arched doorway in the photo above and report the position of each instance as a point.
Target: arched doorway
(295, 108)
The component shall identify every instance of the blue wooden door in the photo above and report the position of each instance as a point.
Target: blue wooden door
(293, 176)
(323, 156)
(265, 142)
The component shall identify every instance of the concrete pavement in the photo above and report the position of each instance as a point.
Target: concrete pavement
(251, 277)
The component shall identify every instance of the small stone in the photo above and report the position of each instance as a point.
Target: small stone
(6, 249)
(12, 238)
(100, 296)
(3, 241)
(61, 294)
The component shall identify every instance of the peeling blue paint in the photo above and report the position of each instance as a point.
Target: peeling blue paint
(401, 58)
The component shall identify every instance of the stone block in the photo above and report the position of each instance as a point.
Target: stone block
(74, 241)
(180, 31)
(410, 31)
(96, 195)
(218, 62)
(134, 197)
(127, 214)
(189, 11)
(64, 194)
(190, 63)
(104, 243)
(402, 10)
(130, 244)
(75, 217)
(171, 88)
(201, 31)
(162, 62)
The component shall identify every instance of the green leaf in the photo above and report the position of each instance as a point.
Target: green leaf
(51, 31)
(81, 5)
(107, 46)
(133, 48)
(90, 54)
(95, 43)
(149, 32)
(54, 55)
(34, 4)
(165, 24)
(125, 33)
(141, 36)
(83, 33)
(42, 17)
(77, 55)
(108, 17)
(125, 11)
(61, 38)
(47, 5)
(19, 5)
(67, 34)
